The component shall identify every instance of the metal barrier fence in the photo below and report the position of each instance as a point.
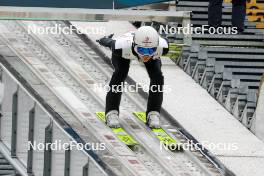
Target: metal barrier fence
(74, 14)
(259, 119)
(231, 75)
(26, 127)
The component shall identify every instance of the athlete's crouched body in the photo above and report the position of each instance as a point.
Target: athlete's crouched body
(146, 46)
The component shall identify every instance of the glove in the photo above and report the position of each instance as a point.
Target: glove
(111, 36)
(105, 40)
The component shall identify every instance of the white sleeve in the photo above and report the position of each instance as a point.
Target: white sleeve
(163, 43)
(123, 43)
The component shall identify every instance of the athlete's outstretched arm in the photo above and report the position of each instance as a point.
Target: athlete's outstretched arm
(107, 41)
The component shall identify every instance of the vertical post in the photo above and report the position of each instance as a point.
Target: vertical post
(67, 162)
(1, 94)
(86, 169)
(14, 124)
(31, 140)
(186, 22)
(47, 151)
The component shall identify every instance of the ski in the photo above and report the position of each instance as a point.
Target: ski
(122, 135)
(160, 133)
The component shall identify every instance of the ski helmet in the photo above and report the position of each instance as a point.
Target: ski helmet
(146, 37)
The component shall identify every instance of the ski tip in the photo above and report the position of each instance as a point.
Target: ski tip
(101, 115)
(141, 116)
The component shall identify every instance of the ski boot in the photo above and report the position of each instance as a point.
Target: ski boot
(112, 119)
(153, 119)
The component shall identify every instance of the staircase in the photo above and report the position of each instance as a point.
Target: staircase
(255, 11)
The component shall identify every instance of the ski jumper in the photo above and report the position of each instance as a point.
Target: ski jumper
(122, 52)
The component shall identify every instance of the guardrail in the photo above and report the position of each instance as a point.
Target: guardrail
(230, 75)
(259, 115)
(75, 14)
(28, 122)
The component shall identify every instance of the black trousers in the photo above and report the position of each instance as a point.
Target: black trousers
(121, 66)
(238, 13)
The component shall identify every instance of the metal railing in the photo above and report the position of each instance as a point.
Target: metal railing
(74, 14)
(257, 126)
(27, 122)
(230, 75)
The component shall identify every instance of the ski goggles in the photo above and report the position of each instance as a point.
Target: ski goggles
(145, 51)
